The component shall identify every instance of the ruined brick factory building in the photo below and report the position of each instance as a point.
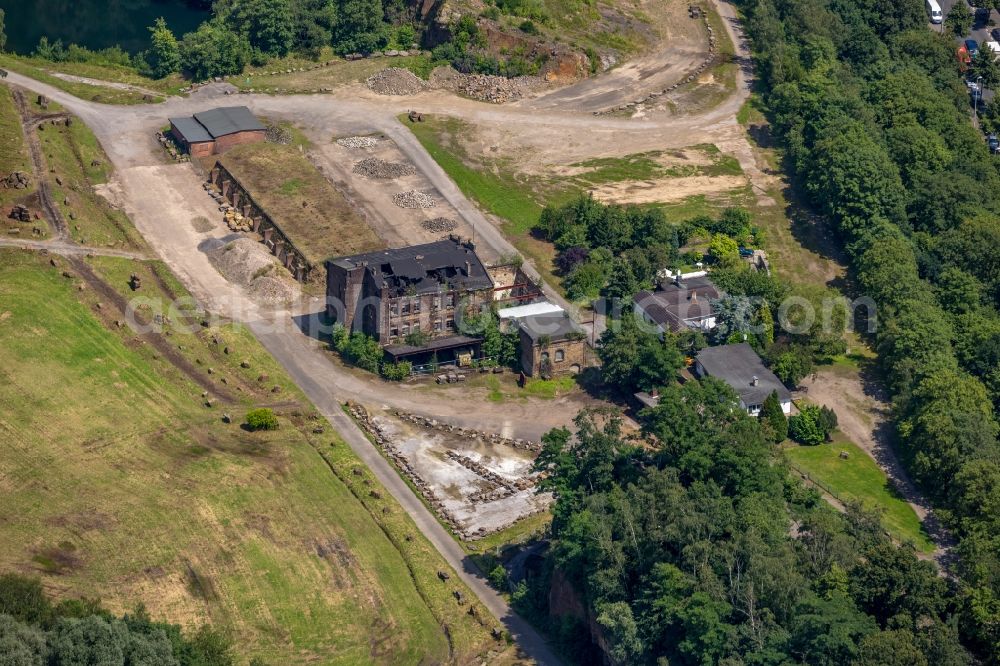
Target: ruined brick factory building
(412, 293)
(217, 130)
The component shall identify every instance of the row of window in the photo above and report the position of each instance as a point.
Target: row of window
(437, 325)
(559, 357)
(438, 301)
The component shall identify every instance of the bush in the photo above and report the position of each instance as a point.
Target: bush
(262, 419)
(396, 372)
(529, 27)
(498, 578)
(813, 425)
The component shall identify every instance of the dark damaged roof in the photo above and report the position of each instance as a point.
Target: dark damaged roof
(737, 365)
(229, 120)
(673, 304)
(422, 268)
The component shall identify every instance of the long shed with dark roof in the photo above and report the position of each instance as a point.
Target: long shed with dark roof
(217, 130)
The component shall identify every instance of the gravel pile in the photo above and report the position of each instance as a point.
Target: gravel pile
(375, 168)
(271, 291)
(413, 199)
(489, 88)
(358, 141)
(247, 263)
(275, 134)
(396, 81)
(439, 224)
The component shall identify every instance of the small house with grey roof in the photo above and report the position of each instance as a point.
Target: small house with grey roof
(679, 304)
(740, 367)
(217, 130)
(411, 299)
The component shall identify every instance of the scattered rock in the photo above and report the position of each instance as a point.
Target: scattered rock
(375, 168)
(439, 224)
(17, 180)
(358, 141)
(413, 199)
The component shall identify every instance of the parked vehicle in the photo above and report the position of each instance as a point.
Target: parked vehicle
(964, 59)
(993, 46)
(934, 11)
(972, 46)
(994, 143)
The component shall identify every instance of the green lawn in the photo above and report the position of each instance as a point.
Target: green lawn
(41, 70)
(858, 478)
(119, 482)
(13, 157)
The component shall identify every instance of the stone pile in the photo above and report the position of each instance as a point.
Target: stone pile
(20, 213)
(395, 81)
(168, 145)
(17, 180)
(236, 222)
(213, 192)
(492, 477)
(275, 134)
(488, 437)
(439, 224)
(358, 141)
(373, 167)
(413, 199)
(490, 88)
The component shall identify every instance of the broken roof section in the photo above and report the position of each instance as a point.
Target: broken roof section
(420, 269)
(229, 120)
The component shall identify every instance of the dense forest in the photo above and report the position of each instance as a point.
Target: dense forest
(35, 631)
(699, 548)
(254, 32)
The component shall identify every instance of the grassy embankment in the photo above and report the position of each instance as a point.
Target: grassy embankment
(13, 157)
(122, 85)
(858, 478)
(75, 158)
(120, 483)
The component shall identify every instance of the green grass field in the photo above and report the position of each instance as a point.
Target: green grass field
(14, 156)
(858, 478)
(120, 483)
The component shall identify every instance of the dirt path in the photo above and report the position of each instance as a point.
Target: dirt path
(105, 84)
(863, 415)
(29, 125)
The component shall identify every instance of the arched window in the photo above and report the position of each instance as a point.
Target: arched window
(545, 356)
(560, 355)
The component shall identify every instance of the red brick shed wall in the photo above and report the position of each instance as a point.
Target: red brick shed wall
(224, 143)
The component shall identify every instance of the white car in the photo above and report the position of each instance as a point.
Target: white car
(994, 47)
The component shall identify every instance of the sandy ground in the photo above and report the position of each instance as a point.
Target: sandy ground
(667, 190)
(453, 483)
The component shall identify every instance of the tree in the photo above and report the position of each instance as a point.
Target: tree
(262, 419)
(807, 427)
(267, 24)
(24, 599)
(983, 65)
(723, 250)
(20, 644)
(213, 50)
(3, 32)
(959, 19)
(164, 55)
(774, 418)
(618, 623)
(359, 27)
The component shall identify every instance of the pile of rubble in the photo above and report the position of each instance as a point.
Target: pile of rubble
(373, 167)
(171, 147)
(489, 88)
(484, 472)
(17, 180)
(275, 134)
(439, 224)
(488, 437)
(395, 81)
(413, 199)
(236, 222)
(358, 141)
(248, 263)
(20, 213)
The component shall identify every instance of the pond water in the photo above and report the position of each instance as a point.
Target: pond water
(96, 24)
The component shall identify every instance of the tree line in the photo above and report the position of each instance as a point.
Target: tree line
(874, 119)
(35, 631)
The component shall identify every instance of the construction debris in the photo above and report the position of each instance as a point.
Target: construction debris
(439, 224)
(20, 213)
(275, 134)
(373, 167)
(396, 81)
(17, 180)
(358, 141)
(246, 262)
(413, 199)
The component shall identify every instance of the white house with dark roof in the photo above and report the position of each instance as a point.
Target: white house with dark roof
(740, 367)
(679, 304)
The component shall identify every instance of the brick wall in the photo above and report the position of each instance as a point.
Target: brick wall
(566, 356)
(224, 143)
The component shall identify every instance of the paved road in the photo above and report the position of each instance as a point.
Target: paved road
(321, 388)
